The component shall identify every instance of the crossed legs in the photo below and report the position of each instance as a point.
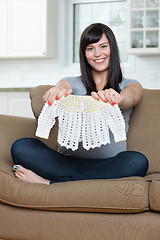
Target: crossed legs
(37, 163)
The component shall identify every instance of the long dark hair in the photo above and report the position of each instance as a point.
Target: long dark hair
(92, 34)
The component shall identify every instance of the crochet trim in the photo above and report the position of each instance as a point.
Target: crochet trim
(82, 119)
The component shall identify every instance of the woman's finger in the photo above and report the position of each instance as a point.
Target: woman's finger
(60, 94)
(49, 93)
(101, 94)
(107, 96)
(68, 92)
(95, 96)
(52, 96)
(45, 96)
(113, 96)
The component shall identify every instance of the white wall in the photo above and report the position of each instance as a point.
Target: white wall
(147, 71)
(33, 72)
(28, 73)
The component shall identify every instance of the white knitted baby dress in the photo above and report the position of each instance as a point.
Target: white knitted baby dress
(82, 119)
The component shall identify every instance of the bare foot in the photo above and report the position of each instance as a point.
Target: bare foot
(28, 176)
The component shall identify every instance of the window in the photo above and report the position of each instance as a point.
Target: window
(112, 13)
(76, 15)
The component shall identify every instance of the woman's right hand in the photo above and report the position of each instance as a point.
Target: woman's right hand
(63, 88)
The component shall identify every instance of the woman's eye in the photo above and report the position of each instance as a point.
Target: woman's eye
(104, 46)
(89, 49)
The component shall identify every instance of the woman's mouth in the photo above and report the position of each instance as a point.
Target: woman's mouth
(100, 60)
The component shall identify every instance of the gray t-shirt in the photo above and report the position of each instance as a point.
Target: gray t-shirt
(105, 151)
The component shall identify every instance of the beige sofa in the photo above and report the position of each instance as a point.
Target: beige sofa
(121, 209)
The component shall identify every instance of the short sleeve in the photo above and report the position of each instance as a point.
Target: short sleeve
(125, 82)
(71, 81)
(77, 86)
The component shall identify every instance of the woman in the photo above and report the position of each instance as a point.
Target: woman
(101, 77)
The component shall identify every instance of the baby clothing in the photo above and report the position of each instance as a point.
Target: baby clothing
(82, 119)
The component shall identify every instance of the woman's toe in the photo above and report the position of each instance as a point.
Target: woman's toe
(16, 167)
(18, 175)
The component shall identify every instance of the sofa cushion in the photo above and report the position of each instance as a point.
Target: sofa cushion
(154, 192)
(126, 195)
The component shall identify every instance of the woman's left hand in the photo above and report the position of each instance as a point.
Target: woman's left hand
(108, 95)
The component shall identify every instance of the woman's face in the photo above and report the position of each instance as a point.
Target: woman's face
(98, 54)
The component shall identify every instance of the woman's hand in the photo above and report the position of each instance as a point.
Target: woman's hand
(128, 97)
(108, 95)
(62, 88)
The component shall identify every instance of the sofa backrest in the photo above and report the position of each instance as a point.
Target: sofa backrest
(144, 131)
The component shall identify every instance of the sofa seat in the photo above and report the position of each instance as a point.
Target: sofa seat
(126, 195)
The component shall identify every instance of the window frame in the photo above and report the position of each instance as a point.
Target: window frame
(66, 28)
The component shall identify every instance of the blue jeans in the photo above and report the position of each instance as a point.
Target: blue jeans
(35, 155)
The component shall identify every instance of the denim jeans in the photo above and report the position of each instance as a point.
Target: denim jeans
(33, 154)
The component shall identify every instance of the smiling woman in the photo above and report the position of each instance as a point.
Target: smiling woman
(97, 54)
(98, 57)
(101, 77)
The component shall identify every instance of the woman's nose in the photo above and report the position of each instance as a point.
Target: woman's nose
(97, 52)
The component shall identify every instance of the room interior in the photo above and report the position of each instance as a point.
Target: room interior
(39, 42)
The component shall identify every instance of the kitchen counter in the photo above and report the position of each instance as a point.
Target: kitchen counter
(20, 89)
(15, 101)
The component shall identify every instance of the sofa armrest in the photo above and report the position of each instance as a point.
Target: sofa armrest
(13, 128)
